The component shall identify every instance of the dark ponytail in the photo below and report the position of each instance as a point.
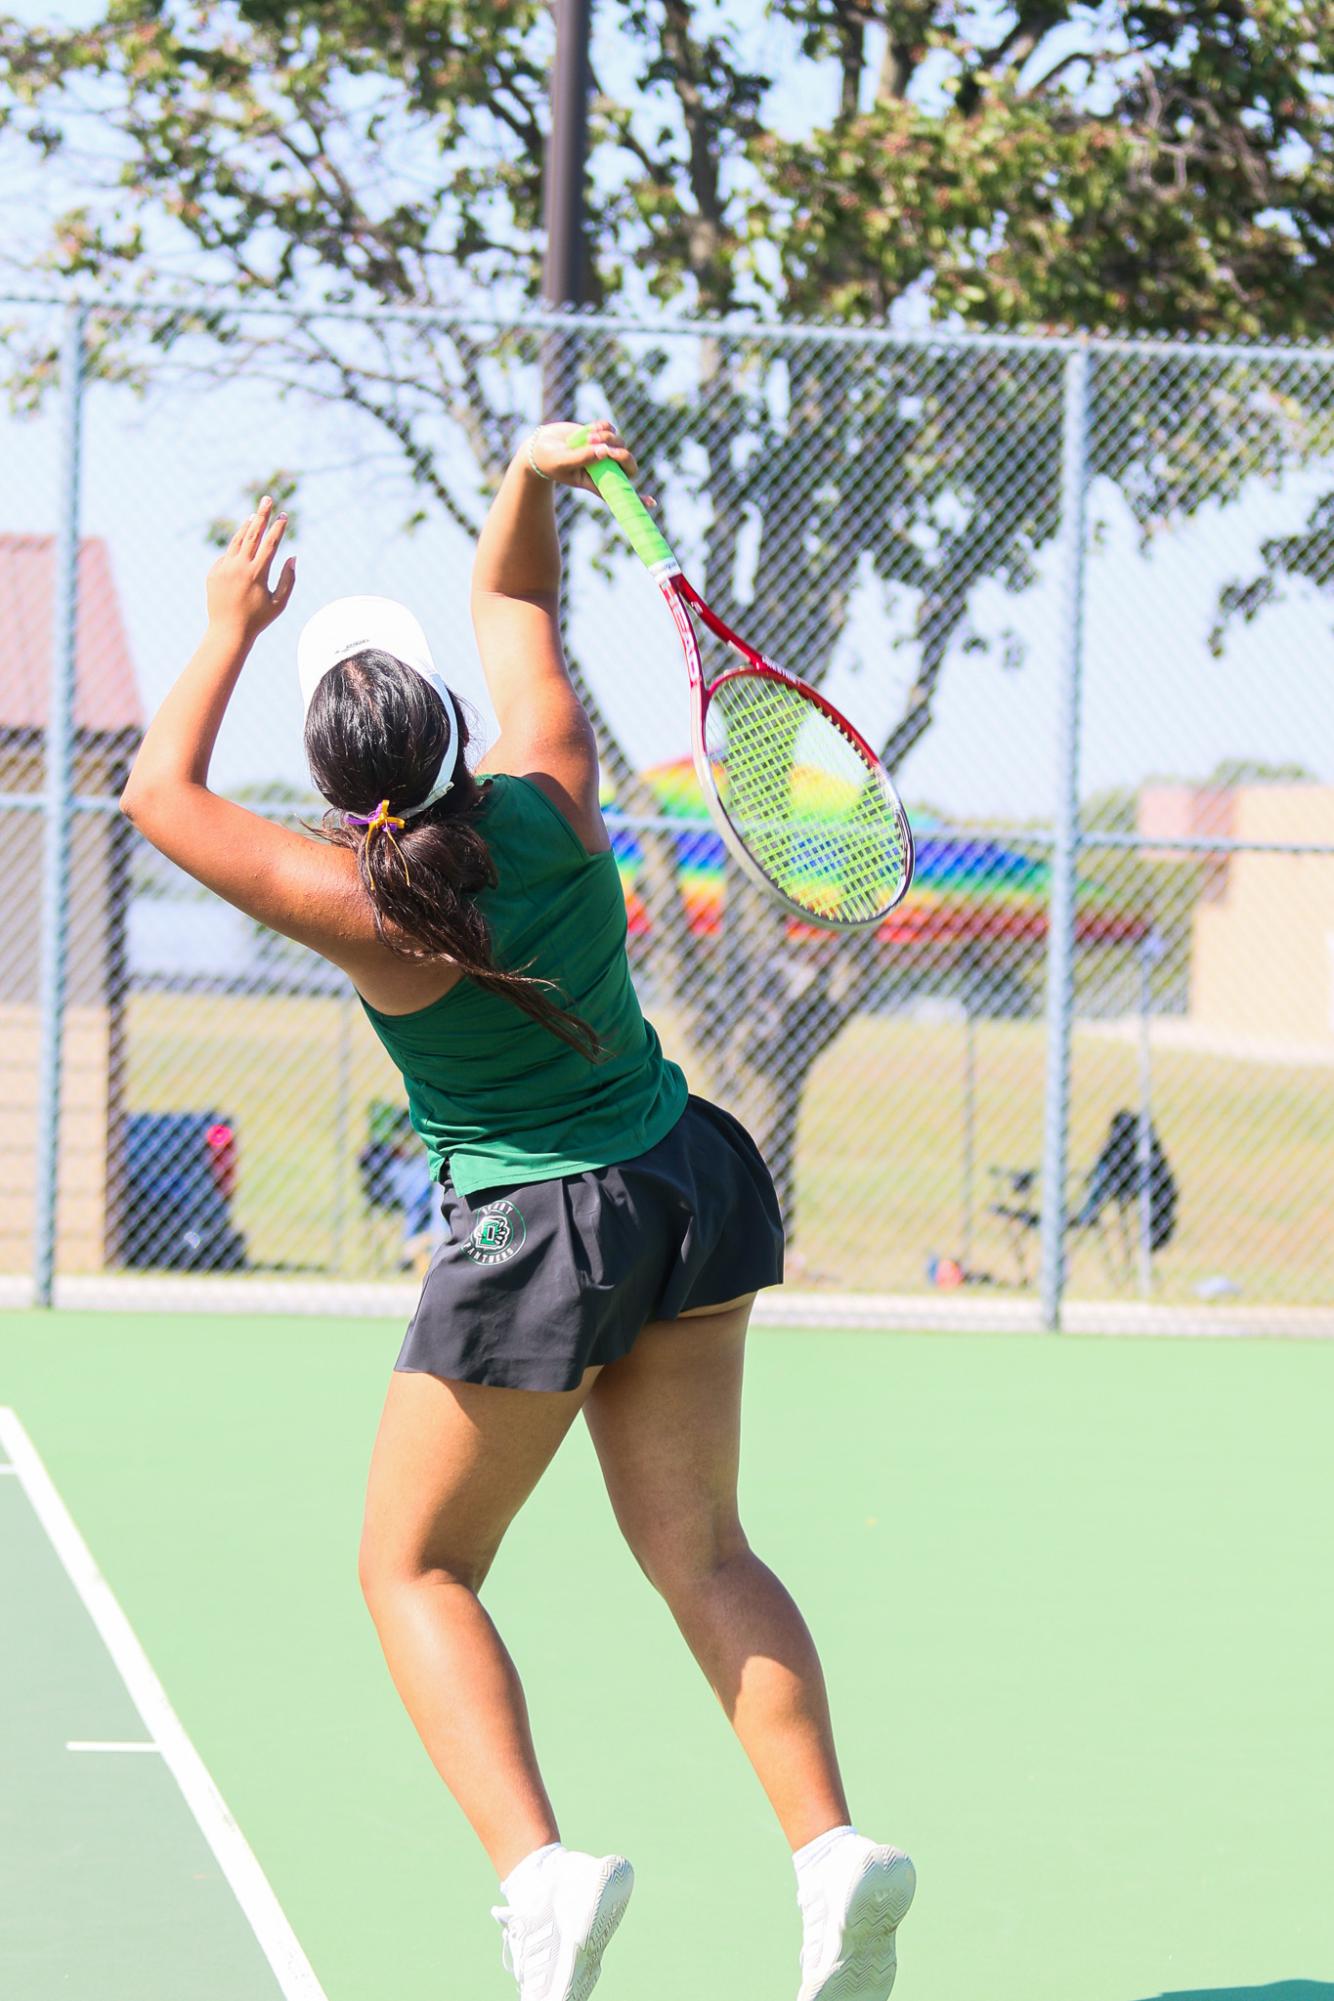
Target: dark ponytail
(376, 731)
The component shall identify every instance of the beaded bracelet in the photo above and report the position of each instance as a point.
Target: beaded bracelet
(533, 461)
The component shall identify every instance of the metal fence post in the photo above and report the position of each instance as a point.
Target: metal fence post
(58, 810)
(1065, 853)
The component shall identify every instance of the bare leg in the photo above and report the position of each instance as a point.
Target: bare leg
(453, 1464)
(666, 1423)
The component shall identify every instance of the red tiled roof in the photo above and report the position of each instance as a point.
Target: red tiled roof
(106, 697)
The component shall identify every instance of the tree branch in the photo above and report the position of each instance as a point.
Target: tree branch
(896, 71)
(852, 57)
(1065, 63)
(1014, 48)
(704, 234)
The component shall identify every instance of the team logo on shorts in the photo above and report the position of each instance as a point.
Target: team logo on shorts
(497, 1235)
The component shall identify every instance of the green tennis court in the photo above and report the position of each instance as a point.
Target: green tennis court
(1074, 1598)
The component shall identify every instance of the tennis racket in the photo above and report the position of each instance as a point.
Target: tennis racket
(802, 801)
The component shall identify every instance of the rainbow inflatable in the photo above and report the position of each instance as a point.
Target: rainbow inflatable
(965, 890)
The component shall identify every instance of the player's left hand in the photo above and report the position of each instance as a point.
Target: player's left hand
(239, 596)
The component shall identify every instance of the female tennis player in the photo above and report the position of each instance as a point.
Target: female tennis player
(607, 1231)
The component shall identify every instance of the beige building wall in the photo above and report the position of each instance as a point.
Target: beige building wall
(82, 1216)
(90, 1025)
(1188, 813)
(91, 862)
(1263, 953)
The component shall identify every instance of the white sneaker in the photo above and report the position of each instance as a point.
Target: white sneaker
(851, 1907)
(554, 1944)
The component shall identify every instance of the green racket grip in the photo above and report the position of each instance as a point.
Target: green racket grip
(632, 517)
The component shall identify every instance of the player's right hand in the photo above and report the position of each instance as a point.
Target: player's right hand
(568, 465)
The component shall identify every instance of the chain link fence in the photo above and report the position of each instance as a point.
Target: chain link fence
(1079, 591)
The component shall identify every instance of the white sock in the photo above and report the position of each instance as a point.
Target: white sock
(521, 1883)
(815, 1852)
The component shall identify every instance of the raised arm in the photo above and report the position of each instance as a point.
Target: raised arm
(288, 880)
(544, 733)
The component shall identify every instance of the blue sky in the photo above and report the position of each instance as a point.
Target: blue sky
(1156, 701)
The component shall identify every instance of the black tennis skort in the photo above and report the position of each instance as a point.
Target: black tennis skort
(537, 1284)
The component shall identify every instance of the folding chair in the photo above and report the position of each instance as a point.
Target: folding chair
(1110, 1208)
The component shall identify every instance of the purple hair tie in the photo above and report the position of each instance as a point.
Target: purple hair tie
(381, 817)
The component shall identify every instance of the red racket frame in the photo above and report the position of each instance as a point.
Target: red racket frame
(682, 598)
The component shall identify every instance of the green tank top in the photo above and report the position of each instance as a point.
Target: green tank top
(499, 1098)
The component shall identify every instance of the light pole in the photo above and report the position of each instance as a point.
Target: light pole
(564, 266)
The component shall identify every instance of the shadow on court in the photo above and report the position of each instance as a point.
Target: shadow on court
(1282, 1990)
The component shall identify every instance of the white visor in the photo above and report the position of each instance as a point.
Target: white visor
(380, 625)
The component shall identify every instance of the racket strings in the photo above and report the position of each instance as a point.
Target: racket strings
(818, 817)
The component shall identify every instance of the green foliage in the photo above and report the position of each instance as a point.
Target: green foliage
(1168, 168)
(282, 487)
(1233, 771)
(1165, 168)
(1307, 556)
(1114, 810)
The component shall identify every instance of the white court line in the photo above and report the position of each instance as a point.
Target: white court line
(77, 1744)
(250, 1886)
